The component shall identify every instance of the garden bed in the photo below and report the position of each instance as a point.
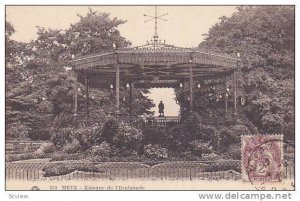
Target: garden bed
(26, 156)
(57, 169)
(67, 167)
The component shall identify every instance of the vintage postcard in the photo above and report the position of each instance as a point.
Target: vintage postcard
(149, 97)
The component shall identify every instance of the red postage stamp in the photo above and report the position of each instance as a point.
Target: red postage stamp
(262, 157)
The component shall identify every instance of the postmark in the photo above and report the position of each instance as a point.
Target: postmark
(262, 157)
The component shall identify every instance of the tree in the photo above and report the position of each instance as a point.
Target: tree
(94, 32)
(39, 85)
(9, 44)
(264, 36)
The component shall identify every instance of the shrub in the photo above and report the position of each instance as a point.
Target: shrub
(83, 137)
(222, 165)
(176, 141)
(239, 130)
(67, 168)
(40, 134)
(109, 130)
(45, 148)
(89, 136)
(190, 126)
(26, 156)
(186, 154)
(192, 129)
(58, 169)
(199, 147)
(62, 136)
(104, 149)
(128, 138)
(226, 138)
(61, 156)
(17, 131)
(234, 152)
(211, 157)
(192, 119)
(61, 121)
(207, 133)
(96, 135)
(155, 151)
(57, 156)
(154, 135)
(118, 158)
(72, 147)
(272, 123)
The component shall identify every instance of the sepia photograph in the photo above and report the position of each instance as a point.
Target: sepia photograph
(149, 97)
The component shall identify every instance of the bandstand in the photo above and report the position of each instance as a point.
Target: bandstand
(155, 64)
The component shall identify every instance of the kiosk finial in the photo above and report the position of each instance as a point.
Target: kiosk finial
(155, 18)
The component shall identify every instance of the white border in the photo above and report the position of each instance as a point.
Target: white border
(132, 195)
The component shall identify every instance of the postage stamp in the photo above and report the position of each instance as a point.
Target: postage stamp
(262, 157)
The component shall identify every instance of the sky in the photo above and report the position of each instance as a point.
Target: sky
(184, 27)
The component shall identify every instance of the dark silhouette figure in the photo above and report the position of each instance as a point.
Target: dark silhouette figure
(161, 108)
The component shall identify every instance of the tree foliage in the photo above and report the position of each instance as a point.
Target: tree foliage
(95, 31)
(40, 85)
(264, 36)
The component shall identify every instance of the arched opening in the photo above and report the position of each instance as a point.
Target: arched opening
(167, 96)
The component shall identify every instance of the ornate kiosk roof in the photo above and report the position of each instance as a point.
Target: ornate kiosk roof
(156, 60)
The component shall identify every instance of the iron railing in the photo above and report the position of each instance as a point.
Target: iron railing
(159, 122)
(31, 171)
